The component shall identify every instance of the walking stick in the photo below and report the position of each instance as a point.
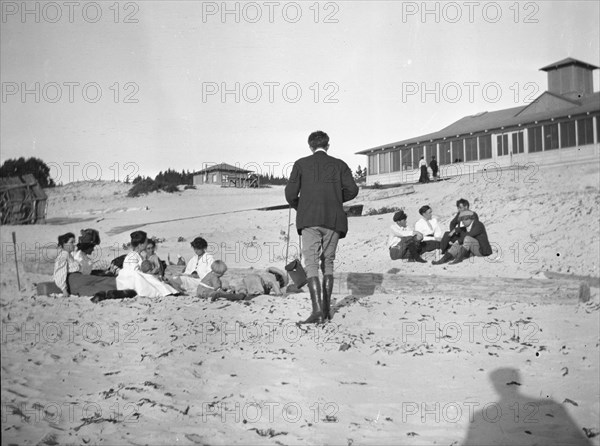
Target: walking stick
(287, 247)
(14, 237)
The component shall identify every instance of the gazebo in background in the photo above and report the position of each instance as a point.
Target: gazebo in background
(226, 175)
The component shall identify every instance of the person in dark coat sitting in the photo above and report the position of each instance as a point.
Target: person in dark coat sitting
(318, 186)
(456, 229)
(474, 242)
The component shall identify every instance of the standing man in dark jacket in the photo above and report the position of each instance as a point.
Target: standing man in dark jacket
(434, 166)
(318, 186)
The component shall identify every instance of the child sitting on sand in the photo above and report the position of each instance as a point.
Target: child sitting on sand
(211, 283)
(211, 287)
(157, 264)
(147, 267)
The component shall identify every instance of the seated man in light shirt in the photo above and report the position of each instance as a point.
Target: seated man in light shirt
(430, 228)
(404, 242)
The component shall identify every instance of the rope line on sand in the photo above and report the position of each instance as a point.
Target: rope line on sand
(120, 229)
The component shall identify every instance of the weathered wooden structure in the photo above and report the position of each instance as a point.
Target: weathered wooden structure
(22, 201)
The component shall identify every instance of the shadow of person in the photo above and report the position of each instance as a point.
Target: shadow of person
(520, 420)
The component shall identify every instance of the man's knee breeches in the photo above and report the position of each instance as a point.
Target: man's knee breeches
(318, 244)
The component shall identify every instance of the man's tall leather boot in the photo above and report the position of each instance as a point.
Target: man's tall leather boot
(314, 286)
(462, 255)
(327, 290)
(414, 254)
(445, 259)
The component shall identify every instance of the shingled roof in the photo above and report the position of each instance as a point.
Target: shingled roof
(546, 106)
(223, 167)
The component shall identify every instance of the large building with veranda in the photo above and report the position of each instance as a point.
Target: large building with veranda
(559, 126)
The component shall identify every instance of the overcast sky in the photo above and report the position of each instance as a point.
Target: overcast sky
(136, 87)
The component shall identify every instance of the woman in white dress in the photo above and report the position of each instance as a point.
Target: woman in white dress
(131, 276)
(198, 267)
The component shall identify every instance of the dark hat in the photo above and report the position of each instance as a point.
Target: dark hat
(466, 215)
(85, 246)
(89, 236)
(399, 216)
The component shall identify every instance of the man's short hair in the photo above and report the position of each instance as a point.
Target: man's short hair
(318, 140)
(424, 209)
(463, 202)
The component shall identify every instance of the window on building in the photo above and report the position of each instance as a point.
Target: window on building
(214, 178)
(372, 165)
(534, 138)
(417, 154)
(518, 144)
(551, 135)
(430, 150)
(407, 159)
(396, 160)
(567, 134)
(384, 162)
(457, 151)
(470, 149)
(485, 147)
(502, 145)
(585, 131)
(445, 154)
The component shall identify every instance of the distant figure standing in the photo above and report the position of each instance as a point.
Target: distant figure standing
(424, 178)
(318, 186)
(434, 167)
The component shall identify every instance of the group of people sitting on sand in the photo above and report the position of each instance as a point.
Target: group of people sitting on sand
(140, 272)
(466, 236)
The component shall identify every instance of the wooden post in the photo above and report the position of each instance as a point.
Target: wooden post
(14, 239)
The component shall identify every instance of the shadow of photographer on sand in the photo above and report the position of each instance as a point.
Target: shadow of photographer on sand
(517, 419)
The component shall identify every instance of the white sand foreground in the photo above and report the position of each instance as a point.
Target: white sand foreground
(389, 369)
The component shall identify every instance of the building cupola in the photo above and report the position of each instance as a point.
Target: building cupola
(570, 78)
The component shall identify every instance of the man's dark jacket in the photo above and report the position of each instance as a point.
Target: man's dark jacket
(318, 186)
(455, 223)
(478, 232)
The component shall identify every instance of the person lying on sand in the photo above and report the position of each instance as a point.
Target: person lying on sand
(404, 242)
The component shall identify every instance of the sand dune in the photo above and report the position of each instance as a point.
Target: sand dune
(389, 369)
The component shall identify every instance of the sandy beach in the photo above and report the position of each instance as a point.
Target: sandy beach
(420, 368)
